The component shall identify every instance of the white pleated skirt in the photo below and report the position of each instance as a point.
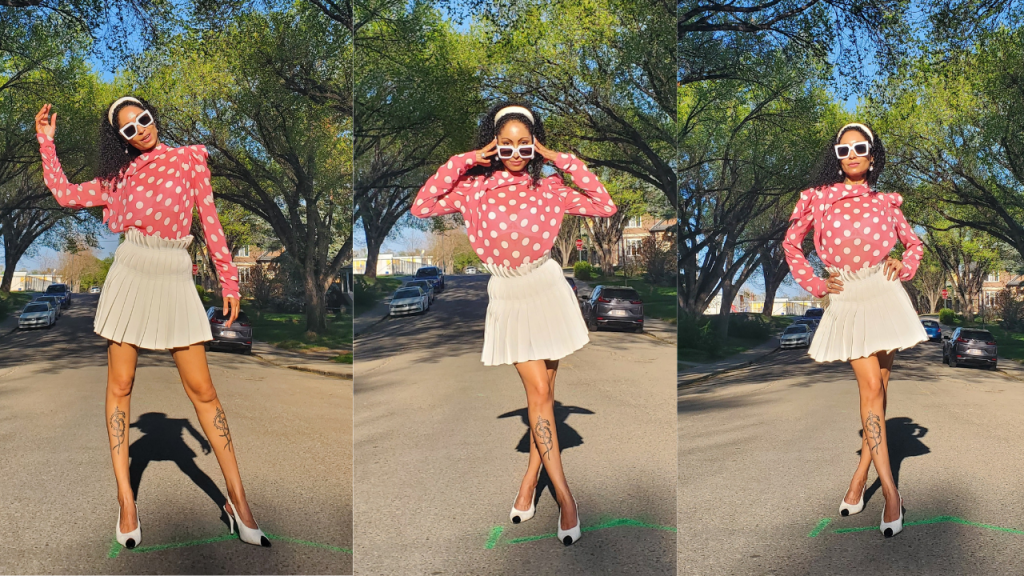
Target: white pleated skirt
(532, 314)
(149, 298)
(871, 314)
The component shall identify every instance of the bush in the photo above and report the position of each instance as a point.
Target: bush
(1011, 310)
(947, 317)
(658, 262)
(201, 290)
(583, 271)
(698, 333)
(750, 327)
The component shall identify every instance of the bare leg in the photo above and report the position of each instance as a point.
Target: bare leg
(121, 361)
(526, 488)
(872, 414)
(540, 400)
(195, 376)
(860, 477)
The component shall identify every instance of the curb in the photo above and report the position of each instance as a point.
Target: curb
(371, 326)
(304, 369)
(698, 379)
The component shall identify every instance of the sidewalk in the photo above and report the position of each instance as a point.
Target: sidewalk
(661, 330)
(692, 372)
(370, 318)
(315, 362)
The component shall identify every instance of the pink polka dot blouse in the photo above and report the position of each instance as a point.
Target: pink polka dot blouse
(155, 194)
(854, 227)
(511, 220)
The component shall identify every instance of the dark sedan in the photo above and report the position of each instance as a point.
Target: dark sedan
(61, 291)
(434, 275)
(615, 306)
(970, 346)
(236, 337)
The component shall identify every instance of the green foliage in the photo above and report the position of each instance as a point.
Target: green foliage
(947, 317)
(750, 326)
(369, 291)
(465, 259)
(583, 271)
(1011, 310)
(698, 333)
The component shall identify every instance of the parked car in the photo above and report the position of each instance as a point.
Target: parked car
(427, 287)
(434, 274)
(932, 328)
(55, 300)
(94, 290)
(410, 300)
(61, 290)
(814, 313)
(37, 314)
(236, 337)
(573, 284)
(619, 306)
(469, 270)
(796, 336)
(811, 323)
(970, 346)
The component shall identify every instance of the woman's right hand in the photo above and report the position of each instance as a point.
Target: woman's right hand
(834, 285)
(490, 150)
(44, 123)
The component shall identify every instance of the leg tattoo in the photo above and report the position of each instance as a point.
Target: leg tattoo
(117, 428)
(873, 427)
(543, 431)
(220, 422)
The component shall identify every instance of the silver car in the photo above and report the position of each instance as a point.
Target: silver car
(37, 314)
(410, 300)
(425, 285)
(796, 336)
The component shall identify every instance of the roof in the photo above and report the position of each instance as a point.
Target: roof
(664, 225)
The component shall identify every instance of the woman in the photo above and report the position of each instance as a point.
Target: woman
(147, 191)
(869, 315)
(512, 216)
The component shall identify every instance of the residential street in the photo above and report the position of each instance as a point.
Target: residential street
(441, 447)
(767, 452)
(291, 430)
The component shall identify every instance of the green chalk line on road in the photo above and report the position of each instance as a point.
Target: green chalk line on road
(492, 540)
(935, 520)
(116, 548)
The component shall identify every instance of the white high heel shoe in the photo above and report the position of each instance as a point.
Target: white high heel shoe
(128, 539)
(846, 509)
(890, 529)
(517, 515)
(248, 535)
(572, 535)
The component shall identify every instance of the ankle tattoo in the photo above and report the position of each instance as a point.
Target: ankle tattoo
(117, 428)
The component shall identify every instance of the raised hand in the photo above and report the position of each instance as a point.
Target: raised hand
(44, 123)
(481, 155)
(548, 155)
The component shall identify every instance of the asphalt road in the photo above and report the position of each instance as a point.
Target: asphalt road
(292, 433)
(767, 452)
(441, 446)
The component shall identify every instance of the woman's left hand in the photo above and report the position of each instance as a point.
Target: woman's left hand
(892, 268)
(230, 309)
(548, 155)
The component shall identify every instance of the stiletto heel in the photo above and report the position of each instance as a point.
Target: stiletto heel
(572, 535)
(248, 535)
(846, 509)
(890, 529)
(128, 539)
(517, 515)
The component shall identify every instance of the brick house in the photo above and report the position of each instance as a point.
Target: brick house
(640, 227)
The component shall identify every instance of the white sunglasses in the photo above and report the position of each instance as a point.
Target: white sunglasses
(858, 148)
(131, 129)
(525, 151)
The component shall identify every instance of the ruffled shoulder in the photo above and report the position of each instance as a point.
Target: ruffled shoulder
(893, 199)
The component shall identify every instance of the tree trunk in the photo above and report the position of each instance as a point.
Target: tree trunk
(316, 301)
(9, 263)
(373, 245)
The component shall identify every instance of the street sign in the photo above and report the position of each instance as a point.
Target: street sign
(579, 244)
(195, 270)
(945, 293)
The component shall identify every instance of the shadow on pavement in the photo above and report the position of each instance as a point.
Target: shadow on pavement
(162, 440)
(904, 438)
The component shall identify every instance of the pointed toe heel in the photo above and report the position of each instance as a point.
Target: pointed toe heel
(128, 539)
(846, 509)
(572, 535)
(253, 536)
(890, 529)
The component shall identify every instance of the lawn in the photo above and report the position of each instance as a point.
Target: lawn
(369, 291)
(14, 302)
(288, 331)
(734, 343)
(659, 301)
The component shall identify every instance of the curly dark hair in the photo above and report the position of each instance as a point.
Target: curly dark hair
(829, 171)
(115, 152)
(489, 131)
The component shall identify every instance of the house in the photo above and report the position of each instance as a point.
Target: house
(392, 264)
(640, 227)
(246, 257)
(24, 282)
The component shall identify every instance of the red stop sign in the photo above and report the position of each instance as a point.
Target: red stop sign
(945, 293)
(195, 269)
(579, 244)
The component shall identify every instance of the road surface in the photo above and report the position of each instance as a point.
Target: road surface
(766, 454)
(292, 432)
(441, 440)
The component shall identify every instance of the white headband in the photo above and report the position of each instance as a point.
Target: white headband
(864, 128)
(513, 110)
(118, 102)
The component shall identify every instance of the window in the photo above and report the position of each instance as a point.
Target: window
(635, 222)
(243, 275)
(243, 252)
(633, 246)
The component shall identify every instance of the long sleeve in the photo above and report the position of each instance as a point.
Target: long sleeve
(442, 193)
(593, 201)
(227, 272)
(69, 195)
(914, 248)
(800, 221)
